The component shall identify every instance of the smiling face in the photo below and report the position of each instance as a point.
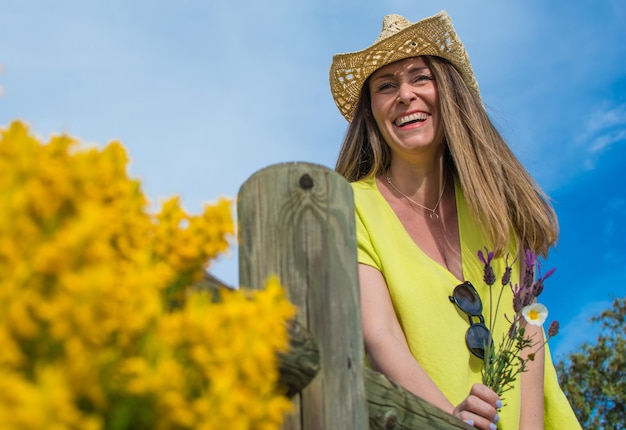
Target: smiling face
(405, 106)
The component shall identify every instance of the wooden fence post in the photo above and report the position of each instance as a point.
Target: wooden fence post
(296, 220)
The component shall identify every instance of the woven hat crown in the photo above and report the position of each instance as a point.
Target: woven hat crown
(398, 39)
(391, 25)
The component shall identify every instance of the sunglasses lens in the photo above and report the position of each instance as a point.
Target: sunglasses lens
(477, 337)
(467, 299)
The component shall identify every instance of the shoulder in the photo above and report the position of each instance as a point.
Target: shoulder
(364, 185)
(366, 194)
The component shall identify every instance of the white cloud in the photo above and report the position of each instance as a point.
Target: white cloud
(604, 117)
(605, 126)
(602, 142)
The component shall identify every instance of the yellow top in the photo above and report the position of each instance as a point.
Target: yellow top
(434, 327)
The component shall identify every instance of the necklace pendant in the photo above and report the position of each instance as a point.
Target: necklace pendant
(432, 215)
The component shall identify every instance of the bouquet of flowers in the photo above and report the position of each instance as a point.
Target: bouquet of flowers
(502, 364)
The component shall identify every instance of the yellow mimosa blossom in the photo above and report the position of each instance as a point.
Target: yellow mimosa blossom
(99, 328)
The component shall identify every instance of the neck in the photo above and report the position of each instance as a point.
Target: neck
(423, 184)
(432, 212)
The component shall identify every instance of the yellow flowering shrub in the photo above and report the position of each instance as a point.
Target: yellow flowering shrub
(98, 326)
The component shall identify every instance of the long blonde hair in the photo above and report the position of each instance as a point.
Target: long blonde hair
(500, 193)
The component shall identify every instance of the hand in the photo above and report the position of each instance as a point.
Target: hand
(480, 408)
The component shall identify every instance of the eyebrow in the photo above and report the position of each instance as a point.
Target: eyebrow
(410, 71)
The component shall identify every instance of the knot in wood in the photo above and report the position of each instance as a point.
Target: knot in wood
(306, 182)
(390, 420)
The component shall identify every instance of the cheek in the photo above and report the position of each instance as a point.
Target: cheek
(378, 112)
(432, 95)
(433, 100)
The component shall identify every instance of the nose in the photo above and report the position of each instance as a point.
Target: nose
(406, 93)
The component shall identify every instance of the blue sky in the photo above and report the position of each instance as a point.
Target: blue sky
(205, 93)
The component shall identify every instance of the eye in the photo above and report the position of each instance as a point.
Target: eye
(384, 86)
(422, 79)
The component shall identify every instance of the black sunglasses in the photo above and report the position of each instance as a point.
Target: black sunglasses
(467, 299)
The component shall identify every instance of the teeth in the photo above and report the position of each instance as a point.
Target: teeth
(411, 118)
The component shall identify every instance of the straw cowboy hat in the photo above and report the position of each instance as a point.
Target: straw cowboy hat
(399, 39)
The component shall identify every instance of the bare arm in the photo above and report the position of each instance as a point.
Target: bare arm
(532, 383)
(389, 353)
(386, 344)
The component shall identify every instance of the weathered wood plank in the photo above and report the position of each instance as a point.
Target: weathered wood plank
(393, 407)
(389, 405)
(301, 363)
(296, 220)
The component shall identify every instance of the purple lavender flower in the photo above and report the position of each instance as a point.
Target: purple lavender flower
(506, 276)
(527, 297)
(538, 286)
(553, 329)
(481, 257)
(531, 258)
(522, 297)
(528, 277)
(548, 274)
(489, 275)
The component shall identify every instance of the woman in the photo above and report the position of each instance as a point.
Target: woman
(434, 182)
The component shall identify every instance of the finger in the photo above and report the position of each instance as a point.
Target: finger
(480, 408)
(486, 394)
(477, 421)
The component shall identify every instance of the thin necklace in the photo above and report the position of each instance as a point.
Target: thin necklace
(433, 212)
